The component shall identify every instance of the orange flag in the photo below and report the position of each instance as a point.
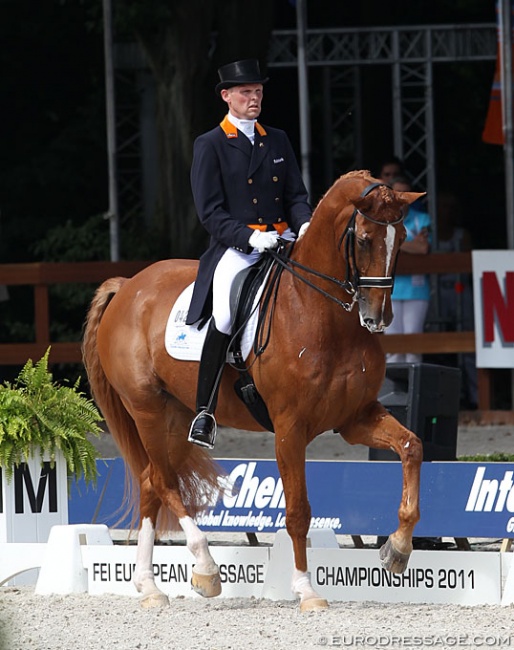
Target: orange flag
(493, 129)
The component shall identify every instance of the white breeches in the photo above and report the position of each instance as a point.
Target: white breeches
(228, 267)
(409, 318)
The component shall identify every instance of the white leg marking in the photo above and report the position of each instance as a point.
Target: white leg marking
(302, 586)
(143, 575)
(197, 544)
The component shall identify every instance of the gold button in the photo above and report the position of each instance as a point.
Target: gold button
(254, 200)
(259, 219)
(250, 181)
(277, 199)
(275, 179)
(279, 219)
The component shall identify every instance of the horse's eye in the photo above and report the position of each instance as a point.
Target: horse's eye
(363, 243)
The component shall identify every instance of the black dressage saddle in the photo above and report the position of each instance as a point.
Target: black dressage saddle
(245, 288)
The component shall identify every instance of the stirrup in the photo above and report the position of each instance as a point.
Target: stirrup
(203, 436)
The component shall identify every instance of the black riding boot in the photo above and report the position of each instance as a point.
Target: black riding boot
(214, 354)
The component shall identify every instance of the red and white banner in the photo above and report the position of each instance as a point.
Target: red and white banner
(493, 294)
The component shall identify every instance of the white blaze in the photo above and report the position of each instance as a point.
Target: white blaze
(389, 240)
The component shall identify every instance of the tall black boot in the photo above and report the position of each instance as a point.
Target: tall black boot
(214, 354)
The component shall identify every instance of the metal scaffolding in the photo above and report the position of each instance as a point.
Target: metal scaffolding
(410, 53)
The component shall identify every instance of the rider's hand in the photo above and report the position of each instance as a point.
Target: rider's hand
(263, 241)
(303, 228)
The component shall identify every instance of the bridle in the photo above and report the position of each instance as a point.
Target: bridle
(353, 281)
(348, 237)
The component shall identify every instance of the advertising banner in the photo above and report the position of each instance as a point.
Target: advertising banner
(457, 499)
(337, 574)
(493, 296)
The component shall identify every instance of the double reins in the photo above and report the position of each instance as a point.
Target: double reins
(287, 264)
(353, 281)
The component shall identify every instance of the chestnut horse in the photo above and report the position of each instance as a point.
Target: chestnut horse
(322, 369)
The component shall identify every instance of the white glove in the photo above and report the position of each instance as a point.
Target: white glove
(263, 241)
(303, 228)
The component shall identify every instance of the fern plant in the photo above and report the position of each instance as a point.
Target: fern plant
(37, 414)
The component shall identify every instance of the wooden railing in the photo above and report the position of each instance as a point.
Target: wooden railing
(432, 342)
(42, 275)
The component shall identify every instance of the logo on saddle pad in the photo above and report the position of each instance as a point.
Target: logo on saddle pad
(185, 342)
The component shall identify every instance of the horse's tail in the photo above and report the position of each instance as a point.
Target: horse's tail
(119, 423)
(199, 473)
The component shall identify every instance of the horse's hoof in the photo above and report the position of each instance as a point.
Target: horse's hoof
(313, 605)
(392, 559)
(207, 586)
(154, 600)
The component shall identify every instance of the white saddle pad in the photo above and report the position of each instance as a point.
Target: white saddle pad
(185, 342)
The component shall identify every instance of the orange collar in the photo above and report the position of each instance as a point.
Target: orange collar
(231, 130)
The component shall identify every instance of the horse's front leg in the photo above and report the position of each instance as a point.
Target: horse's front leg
(290, 453)
(377, 428)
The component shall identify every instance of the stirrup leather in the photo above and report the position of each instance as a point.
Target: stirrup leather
(203, 438)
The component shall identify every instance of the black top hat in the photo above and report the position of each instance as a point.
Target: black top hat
(239, 73)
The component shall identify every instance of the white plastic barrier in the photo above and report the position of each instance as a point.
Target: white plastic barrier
(82, 558)
(33, 501)
(62, 569)
(17, 559)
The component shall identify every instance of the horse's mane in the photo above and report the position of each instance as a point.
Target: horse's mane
(343, 186)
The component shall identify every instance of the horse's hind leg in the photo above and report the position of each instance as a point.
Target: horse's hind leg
(205, 578)
(169, 454)
(144, 580)
(375, 427)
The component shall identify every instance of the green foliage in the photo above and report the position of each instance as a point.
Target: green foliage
(89, 241)
(85, 242)
(498, 457)
(37, 414)
(70, 242)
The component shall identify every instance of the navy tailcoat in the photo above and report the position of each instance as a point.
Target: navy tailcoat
(236, 184)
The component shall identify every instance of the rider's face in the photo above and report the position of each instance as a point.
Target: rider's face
(244, 102)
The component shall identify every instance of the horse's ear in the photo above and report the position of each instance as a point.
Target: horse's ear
(410, 197)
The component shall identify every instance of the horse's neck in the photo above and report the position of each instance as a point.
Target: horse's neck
(318, 250)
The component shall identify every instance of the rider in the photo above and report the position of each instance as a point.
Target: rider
(248, 192)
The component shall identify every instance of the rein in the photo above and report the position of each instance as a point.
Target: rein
(348, 237)
(286, 263)
(351, 286)
(282, 261)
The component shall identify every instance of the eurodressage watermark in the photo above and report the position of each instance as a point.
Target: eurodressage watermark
(407, 641)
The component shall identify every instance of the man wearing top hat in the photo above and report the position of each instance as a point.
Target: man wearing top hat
(248, 191)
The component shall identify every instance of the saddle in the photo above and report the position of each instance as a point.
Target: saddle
(245, 288)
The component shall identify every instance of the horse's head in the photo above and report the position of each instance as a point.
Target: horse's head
(371, 239)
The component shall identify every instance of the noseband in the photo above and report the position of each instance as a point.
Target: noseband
(354, 281)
